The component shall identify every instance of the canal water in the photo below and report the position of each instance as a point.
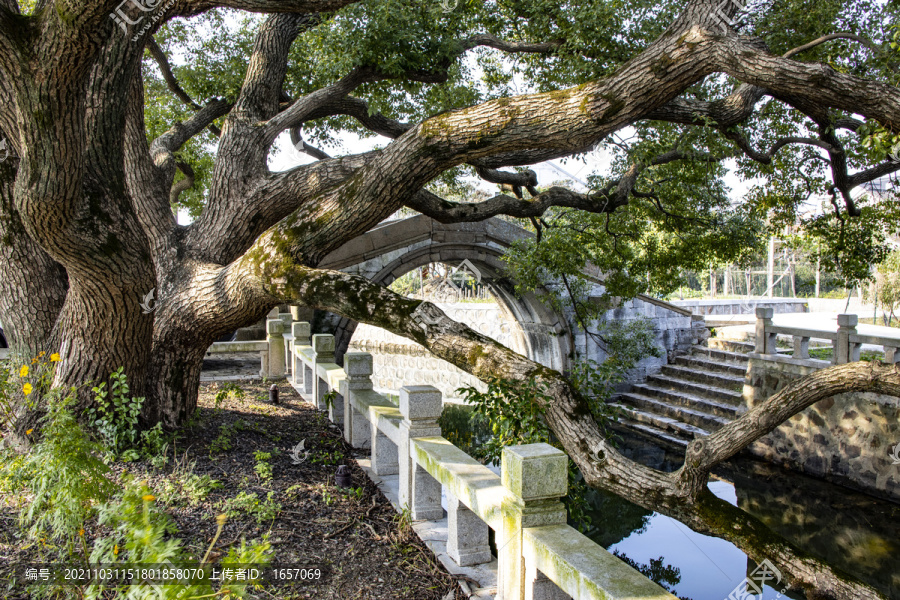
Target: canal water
(852, 531)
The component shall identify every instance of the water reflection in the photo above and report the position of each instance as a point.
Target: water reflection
(853, 532)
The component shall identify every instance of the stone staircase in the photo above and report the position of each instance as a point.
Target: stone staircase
(696, 395)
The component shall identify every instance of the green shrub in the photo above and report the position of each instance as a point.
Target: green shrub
(63, 474)
(114, 417)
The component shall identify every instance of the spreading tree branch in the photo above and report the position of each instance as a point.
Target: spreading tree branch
(682, 495)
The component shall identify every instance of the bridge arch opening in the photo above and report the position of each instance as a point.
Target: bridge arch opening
(540, 333)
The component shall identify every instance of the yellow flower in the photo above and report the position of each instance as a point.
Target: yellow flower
(27, 388)
(116, 550)
(149, 498)
(34, 361)
(54, 357)
(221, 519)
(41, 355)
(29, 431)
(23, 372)
(81, 532)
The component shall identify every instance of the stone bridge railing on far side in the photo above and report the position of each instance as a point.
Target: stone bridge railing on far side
(540, 557)
(852, 438)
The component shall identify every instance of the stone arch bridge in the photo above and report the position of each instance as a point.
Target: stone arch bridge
(395, 248)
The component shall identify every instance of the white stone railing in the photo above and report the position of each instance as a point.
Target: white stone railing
(846, 340)
(540, 557)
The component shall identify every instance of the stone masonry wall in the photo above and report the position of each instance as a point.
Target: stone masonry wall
(846, 438)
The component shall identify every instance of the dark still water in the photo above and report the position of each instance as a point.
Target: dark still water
(852, 531)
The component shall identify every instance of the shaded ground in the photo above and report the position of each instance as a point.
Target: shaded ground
(367, 549)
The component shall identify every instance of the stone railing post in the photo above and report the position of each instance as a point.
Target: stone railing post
(844, 350)
(323, 352)
(420, 405)
(891, 355)
(535, 477)
(358, 367)
(301, 332)
(275, 339)
(765, 341)
(288, 322)
(801, 346)
(467, 535)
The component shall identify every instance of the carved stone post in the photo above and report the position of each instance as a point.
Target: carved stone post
(420, 405)
(535, 477)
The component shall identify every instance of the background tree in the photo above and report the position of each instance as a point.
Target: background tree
(107, 134)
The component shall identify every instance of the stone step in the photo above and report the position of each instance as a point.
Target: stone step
(707, 364)
(731, 345)
(721, 356)
(704, 390)
(725, 381)
(689, 416)
(667, 424)
(681, 397)
(653, 434)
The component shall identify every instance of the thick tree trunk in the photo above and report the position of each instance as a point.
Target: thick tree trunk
(32, 285)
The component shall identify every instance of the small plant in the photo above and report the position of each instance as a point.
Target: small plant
(115, 416)
(246, 503)
(262, 467)
(228, 390)
(184, 486)
(334, 457)
(354, 494)
(329, 398)
(223, 442)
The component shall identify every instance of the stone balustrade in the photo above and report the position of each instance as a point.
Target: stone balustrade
(846, 340)
(539, 556)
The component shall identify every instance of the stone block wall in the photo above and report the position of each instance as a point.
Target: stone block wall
(675, 332)
(847, 438)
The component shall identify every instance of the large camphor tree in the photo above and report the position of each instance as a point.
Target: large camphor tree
(115, 112)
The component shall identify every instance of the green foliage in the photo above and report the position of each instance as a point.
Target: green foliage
(885, 287)
(514, 410)
(329, 397)
(246, 503)
(63, 475)
(228, 390)
(262, 467)
(464, 428)
(183, 486)
(143, 533)
(223, 441)
(114, 416)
